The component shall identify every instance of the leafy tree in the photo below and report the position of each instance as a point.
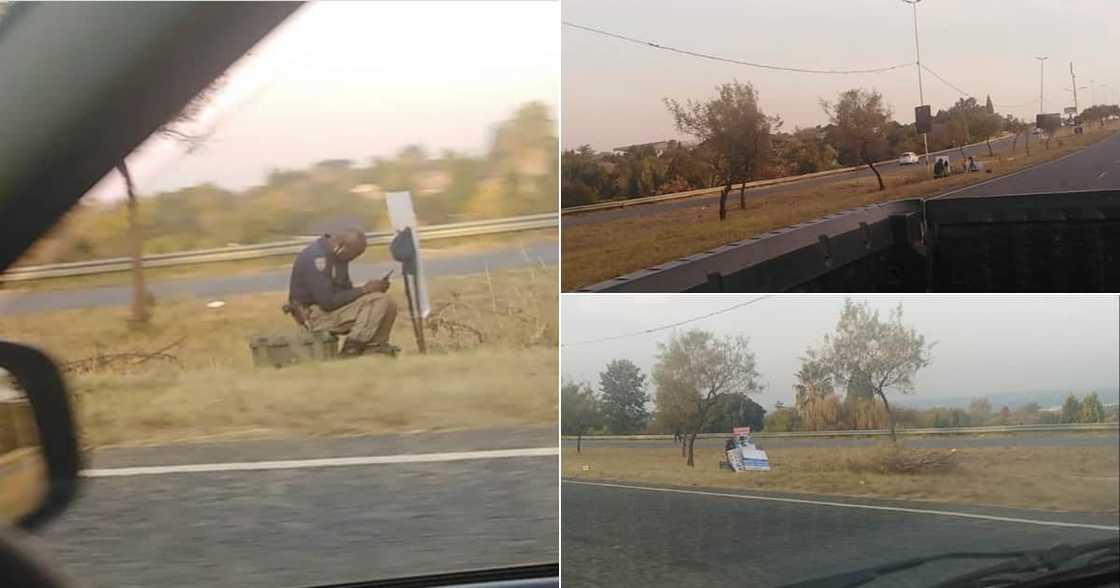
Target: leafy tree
(804, 151)
(734, 132)
(1071, 410)
(1028, 414)
(1017, 127)
(886, 354)
(782, 419)
(860, 118)
(979, 411)
(579, 411)
(984, 125)
(1092, 411)
(736, 410)
(694, 370)
(622, 394)
(584, 180)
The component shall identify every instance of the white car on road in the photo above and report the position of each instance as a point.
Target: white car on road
(907, 158)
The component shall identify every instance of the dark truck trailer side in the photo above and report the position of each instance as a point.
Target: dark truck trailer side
(1064, 242)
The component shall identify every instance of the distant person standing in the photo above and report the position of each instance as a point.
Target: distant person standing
(320, 288)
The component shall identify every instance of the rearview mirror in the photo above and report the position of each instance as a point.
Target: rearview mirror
(39, 460)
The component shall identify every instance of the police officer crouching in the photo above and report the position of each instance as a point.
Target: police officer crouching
(320, 290)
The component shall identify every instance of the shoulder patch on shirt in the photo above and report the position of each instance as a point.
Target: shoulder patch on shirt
(320, 263)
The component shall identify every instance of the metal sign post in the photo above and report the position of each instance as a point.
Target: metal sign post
(405, 248)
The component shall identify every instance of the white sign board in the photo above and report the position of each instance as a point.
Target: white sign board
(745, 459)
(401, 217)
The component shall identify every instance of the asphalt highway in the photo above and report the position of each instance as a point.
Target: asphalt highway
(648, 536)
(570, 220)
(539, 252)
(1096, 167)
(309, 525)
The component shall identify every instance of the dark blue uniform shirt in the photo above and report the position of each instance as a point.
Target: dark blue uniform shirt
(321, 279)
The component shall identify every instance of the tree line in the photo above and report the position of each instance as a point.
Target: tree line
(736, 143)
(702, 383)
(516, 175)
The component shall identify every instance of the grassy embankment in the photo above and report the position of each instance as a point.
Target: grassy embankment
(599, 251)
(1080, 479)
(492, 362)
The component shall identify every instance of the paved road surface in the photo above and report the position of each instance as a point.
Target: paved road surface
(540, 252)
(933, 442)
(308, 526)
(1096, 167)
(571, 220)
(647, 537)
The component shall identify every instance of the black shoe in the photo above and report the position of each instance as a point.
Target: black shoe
(352, 349)
(383, 349)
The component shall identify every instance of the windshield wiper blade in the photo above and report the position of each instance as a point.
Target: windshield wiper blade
(1022, 561)
(865, 575)
(1043, 560)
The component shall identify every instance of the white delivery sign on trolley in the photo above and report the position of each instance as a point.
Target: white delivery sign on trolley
(745, 456)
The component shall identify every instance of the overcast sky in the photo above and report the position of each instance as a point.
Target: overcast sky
(985, 344)
(360, 79)
(613, 89)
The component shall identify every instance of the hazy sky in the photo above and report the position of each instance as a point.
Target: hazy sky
(361, 79)
(613, 89)
(985, 344)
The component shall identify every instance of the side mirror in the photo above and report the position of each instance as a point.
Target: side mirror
(39, 459)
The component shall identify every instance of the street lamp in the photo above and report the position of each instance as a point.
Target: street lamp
(1042, 76)
(918, 53)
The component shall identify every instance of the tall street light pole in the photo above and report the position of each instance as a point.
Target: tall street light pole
(1042, 76)
(1074, 77)
(921, 95)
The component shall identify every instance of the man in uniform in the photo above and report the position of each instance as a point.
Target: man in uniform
(321, 291)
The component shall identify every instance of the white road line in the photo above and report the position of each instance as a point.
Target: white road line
(944, 513)
(1101, 175)
(320, 463)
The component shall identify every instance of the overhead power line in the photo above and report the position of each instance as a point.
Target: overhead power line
(669, 326)
(967, 95)
(730, 60)
(947, 82)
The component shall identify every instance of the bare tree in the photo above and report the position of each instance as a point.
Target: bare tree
(732, 130)
(173, 130)
(694, 371)
(861, 118)
(887, 353)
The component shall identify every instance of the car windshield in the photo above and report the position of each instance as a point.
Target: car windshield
(768, 440)
(222, 447)
(779, 114)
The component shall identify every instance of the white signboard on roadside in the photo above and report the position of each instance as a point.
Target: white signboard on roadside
(744, 459)
(401, 217)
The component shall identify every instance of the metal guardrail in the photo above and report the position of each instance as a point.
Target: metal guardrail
(118, 264)
(1071, 427)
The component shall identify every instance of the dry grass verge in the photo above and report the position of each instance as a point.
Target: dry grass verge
(1081, 479)
(600, 251)
(496, 366)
